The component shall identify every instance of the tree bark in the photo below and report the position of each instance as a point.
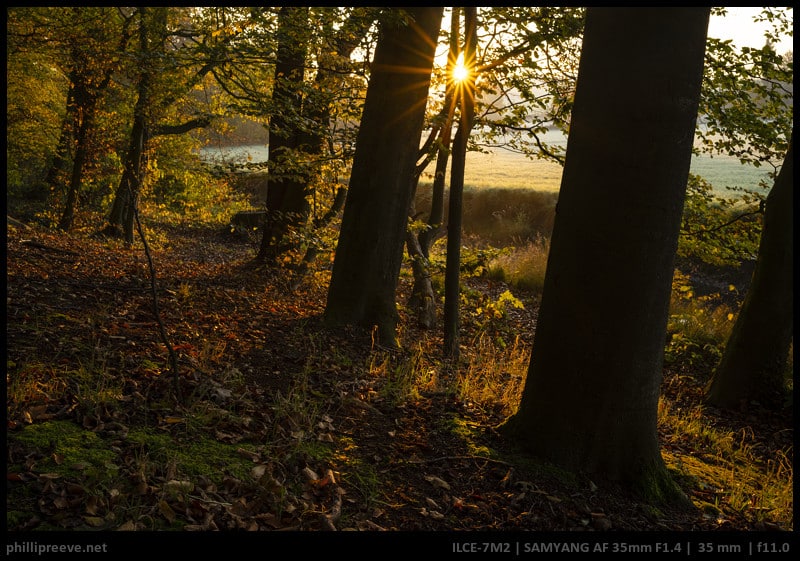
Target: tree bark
(299, 129)
(370, 248)
(590, 400)
(287, 185)
(423, 297)
(453, 268)
(55, 179)
(123, 211)
(753, 366)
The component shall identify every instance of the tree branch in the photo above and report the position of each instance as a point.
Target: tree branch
(197, 123)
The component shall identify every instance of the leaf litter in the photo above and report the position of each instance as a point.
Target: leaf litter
(291, 431)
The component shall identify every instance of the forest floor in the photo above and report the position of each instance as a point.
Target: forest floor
(277, 423)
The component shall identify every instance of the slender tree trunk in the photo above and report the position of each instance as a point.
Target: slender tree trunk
(55, 178)
(87, 85)
(370, 248)
(753, 366)
(423, 297)
(85, 123)
(590, 400)
(453, 269)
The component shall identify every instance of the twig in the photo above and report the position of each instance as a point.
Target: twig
(173, 358)
(703, 231)
(445, 458)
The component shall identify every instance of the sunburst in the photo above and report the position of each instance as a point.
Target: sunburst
(460, 71)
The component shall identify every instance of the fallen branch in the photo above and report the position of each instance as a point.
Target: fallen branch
(16, 223)
(40, 245)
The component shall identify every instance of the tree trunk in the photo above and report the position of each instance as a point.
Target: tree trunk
(121, 218)
(126, 199)
(55, 178)
(84, 119)
(453, 268)
(753, 366)
(298, 127)
(87, 85)
(370, 248)
(287, 206)
(591, 396)
(423, 297)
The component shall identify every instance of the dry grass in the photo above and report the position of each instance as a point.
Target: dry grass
(522, 267)
(501, 216)
(726, 465)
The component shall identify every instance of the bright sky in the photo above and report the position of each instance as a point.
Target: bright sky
(739, 26)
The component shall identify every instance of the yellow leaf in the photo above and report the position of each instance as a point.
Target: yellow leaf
(730, 317)
(166, 511)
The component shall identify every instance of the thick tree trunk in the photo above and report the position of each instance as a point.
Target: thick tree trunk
(123, 211)
(370, 248)
(287, 197)
(591, 396)
(121, 218)
(754, 362)
(287, 206)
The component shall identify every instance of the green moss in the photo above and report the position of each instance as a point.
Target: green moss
(461, 428)
(199, 455)
(657, 487)
(14, 518)
(68, 450)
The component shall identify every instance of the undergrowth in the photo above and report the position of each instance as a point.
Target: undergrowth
(280, 449)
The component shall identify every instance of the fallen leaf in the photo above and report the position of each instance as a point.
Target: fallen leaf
(328, 479)
(248, 454)
(129, 526)
(92, 505)
(437, 482)
(49, 476)
(166, 511)
(179, 486)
